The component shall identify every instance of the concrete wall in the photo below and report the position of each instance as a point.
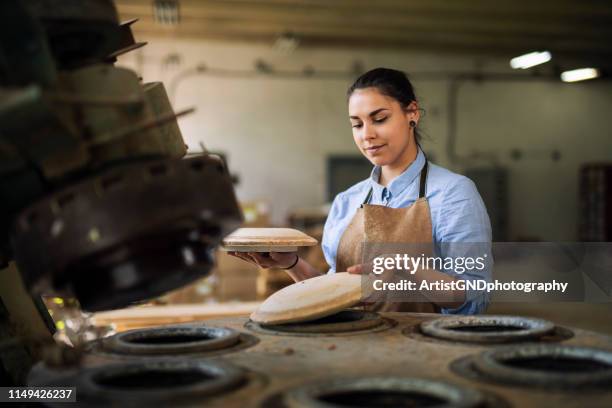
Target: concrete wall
(277, 132)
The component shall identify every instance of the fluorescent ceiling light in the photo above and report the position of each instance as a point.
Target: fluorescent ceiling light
(581, 74)
(530, 60)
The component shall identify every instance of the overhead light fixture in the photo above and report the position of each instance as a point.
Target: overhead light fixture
(581, 74)
(530, 60)
(166, 12)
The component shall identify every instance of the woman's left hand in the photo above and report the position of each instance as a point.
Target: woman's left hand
(268, 259)
(360, 269)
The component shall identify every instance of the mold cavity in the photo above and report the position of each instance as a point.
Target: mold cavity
(490, 328)
(171, 339)
(558, 364)
(342, 317)
(381, 398)
(342, 322)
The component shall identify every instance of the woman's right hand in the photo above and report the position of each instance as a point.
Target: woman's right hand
(281, 260)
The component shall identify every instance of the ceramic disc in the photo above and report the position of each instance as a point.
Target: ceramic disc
(310, 299)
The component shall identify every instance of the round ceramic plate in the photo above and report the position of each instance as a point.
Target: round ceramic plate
(310, 299)
(266, 240)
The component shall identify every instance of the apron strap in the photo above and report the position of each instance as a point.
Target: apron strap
(423, 181)
(422, 185)
(368, 197)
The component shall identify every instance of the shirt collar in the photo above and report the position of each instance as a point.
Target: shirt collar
(401, 182)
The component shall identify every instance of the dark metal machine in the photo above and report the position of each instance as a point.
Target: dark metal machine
(98, 201)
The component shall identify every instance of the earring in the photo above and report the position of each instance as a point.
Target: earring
(412, 124)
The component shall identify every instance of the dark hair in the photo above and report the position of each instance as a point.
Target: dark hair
(389, 82)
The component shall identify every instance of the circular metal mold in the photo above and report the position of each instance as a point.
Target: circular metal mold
(541, 366)
(251, 383)
(383, 392)
(345, 322)
(191, 339)
(157, 381)
(487, 329)
(172, 339)
(491, 400)
(559, 334)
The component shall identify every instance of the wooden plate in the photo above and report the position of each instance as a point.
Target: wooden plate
(310, 299)
(266, 240)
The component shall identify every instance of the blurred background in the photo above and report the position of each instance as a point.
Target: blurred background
(268, 79)
(123, 166)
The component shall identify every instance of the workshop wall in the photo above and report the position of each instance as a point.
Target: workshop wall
(277, 131)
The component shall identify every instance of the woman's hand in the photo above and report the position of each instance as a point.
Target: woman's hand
(281, 260)
(360, 269)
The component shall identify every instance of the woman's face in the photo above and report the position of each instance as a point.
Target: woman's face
(381, 128)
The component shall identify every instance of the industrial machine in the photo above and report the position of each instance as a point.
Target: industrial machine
(351, 359)
(98, 201)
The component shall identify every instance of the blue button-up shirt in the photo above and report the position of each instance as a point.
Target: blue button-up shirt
(458, 215)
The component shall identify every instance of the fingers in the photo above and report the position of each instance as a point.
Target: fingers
(260, 259)
(360, 269)
(355, 269)
(284, 259)
(281, 256)
(265, 259)
(234, 254)
(244, 256)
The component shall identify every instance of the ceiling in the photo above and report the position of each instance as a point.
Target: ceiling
(575, 30)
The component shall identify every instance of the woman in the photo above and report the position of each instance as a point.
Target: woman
(405, 200)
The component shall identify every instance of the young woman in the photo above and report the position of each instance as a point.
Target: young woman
(405, 200)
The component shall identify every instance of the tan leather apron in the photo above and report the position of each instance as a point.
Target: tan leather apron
(374, 225)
